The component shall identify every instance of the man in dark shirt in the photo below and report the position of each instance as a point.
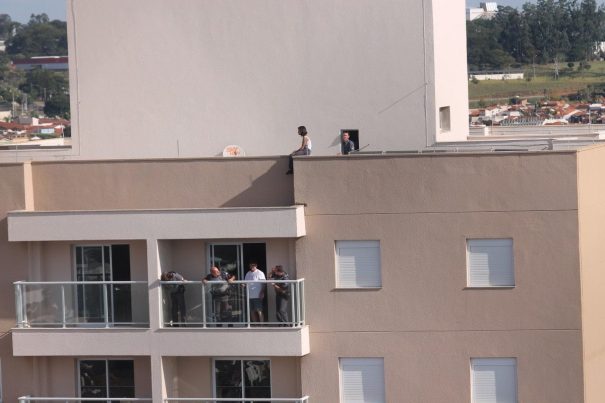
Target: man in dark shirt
(177, 298)
(347, 145)
(282, 293)
(221, 310)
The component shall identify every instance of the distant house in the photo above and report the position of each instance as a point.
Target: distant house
(42, 62)
(487, 10)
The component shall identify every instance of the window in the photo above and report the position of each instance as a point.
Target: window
(358, 264)
(103, 263)
(362, 380)
(444, 119)
(490, 263)
(106, 378)
(228, 375)
(494, 380)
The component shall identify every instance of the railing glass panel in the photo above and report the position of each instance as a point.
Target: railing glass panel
(222, 304)
(82, 304)
(239, 400)
(29, 399)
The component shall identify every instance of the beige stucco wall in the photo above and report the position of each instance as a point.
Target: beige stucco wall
(424, 320)
(249, 72)
(56, 260)
(12, 197)
(591, 197)
(149, 184)
(435, 366)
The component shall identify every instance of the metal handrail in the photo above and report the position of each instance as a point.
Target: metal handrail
(84, 399)
(78, 282)
(64, 315)
(208, 317)
(303, 399)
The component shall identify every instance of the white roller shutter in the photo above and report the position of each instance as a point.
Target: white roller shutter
(490, 263)
(362, 380)
(494, 380)
(358, 264)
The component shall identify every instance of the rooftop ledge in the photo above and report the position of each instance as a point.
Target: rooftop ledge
(214, 223)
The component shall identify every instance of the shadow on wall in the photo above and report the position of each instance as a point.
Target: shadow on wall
(271, 189)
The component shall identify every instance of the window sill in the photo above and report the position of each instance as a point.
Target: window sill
(495, 287)
(357, 289)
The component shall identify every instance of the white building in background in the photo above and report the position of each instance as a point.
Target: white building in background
(486, 10)
(231, 74)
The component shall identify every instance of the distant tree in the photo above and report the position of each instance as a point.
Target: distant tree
(484, 50)
(6, 26)
(514, 34)
(58, 106)
(39, 83)
(39, 37)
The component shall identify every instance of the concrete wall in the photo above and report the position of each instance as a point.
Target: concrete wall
(424, 320)
(12, 196)
(206, 183)
(591, 197)
(450, 70)
(249, 72)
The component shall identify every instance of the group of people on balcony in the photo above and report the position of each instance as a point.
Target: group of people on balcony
(223, 290)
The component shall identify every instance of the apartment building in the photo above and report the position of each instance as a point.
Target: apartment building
(479, 271)
(455, 273)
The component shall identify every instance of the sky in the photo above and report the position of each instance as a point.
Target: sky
(20, 10)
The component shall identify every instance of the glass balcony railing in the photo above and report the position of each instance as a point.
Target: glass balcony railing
(29, 399)
(240, 400)
(94, 304)
(223, 304)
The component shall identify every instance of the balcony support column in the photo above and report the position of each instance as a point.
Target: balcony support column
(154, 268)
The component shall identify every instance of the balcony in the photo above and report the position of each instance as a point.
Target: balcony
(219, 304)
(240, 400)
(29, 399)
(66, 318)
(82, 304)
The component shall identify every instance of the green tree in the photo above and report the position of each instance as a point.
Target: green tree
(39, 37)
(58, 106)
(483, 48)
(514, 34)
(44, 83)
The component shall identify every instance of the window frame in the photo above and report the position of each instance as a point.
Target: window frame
(338, 283)
(341, 378)
(494, 359)
(445, 119)
(240, 359)
(107, 385)
(469, 282)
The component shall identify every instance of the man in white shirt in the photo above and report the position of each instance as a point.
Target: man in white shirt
(256, 292)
